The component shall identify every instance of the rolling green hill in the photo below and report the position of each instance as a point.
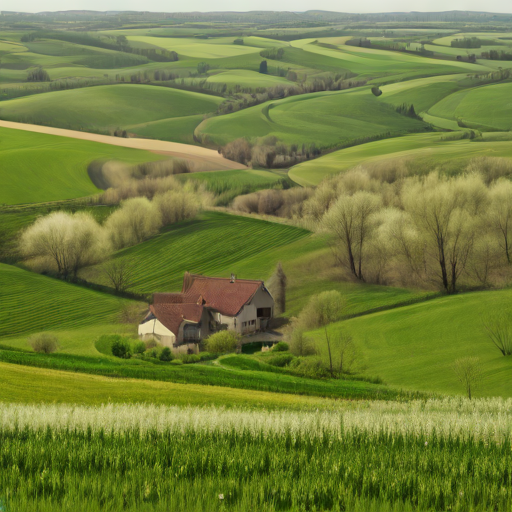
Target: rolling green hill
(414, 347)
(326, 119)
(32, 303)
(431, 147)
(105, 108)
(486, 108)
(38, 167)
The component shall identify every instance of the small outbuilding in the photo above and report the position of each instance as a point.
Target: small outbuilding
(207, 305)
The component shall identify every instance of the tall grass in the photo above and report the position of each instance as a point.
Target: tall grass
(157, 458)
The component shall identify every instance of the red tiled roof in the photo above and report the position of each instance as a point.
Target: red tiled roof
(172, 315)
(176, 298)
(221, 294)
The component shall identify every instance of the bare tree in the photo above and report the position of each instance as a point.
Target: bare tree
(322, 310)
(499, 332)
(445, 217)
(120, 273)
(346, 353)
(500, 215)
(277, 286)
(468, 371)
(350, 221)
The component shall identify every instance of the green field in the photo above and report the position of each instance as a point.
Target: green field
(247, 78)
(371, 63)
(440, 455)
(105, 108)
(32, 303)
(414, 347)
(425, 147)
(37, 167)
(326, 119)
(486, 108)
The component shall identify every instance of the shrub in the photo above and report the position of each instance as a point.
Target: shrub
(206, 356)
(44, 342)
(121, 348)
(280, 360)
(176, 361)
(139, 347)
(190, 358)
(312, 367)
(280, 347)
(223, 342)
(166, 354)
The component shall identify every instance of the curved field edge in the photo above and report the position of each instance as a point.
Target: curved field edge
(432, 147)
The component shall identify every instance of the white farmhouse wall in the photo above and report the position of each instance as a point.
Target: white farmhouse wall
(154, 329)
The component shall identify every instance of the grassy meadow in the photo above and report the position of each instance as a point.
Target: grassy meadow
(39, 168)
(485, 108)
(415, 346)
(369, 458)
(104, 108)
(326, 119)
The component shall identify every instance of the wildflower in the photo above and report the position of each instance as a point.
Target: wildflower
(426, 443)
(221, 496)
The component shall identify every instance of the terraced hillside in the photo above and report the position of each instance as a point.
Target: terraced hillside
(31, 303)
(104, 108)
(37, 167)
(326, 119)
(195, 246)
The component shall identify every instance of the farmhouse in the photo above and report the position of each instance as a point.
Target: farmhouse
(204, 306)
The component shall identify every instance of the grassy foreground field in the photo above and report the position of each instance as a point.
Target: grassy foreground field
(433, 148)
(105, 108)
(38, 167)
(446, 455)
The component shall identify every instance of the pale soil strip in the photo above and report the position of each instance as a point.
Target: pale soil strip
(175, 149)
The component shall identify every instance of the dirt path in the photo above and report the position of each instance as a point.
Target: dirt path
(208, 157)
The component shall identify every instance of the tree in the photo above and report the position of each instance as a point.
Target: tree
(202, 68)
(300, 344)
(65, 242)
(263, 67)
(350, 221)
(322, 310)
(277, 286)
(500, 214)
(38, 75)
(345, 353)
(121, 348)
(223, 341)
(44, 342)
(120, 273)
(445, 212)
(468, 371)
(498, 330)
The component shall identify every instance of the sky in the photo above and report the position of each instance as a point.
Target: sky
(363, 6)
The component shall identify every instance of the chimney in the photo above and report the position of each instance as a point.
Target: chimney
(233, 278)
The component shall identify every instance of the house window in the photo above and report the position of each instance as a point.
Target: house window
(244, 324)
(253, 322)
(264, 312)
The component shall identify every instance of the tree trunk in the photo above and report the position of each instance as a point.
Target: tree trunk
(329, 350)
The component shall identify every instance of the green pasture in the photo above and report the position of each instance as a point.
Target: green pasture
(198, 48)
(105, 108)
(414, 347)
(31, 303)
(247, 78)
(424, 147)
(24, 384)
(174, 129)
(373, 63)
(36, 167)
(486, 108)
(326, 119)
(423, 93)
